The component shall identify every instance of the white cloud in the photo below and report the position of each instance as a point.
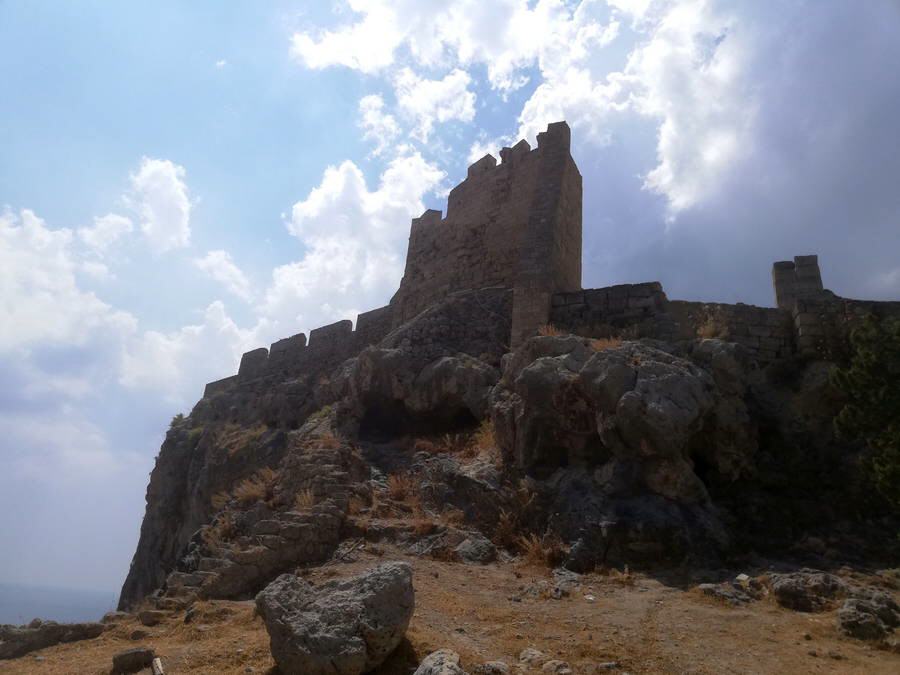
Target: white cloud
(355, 242)
(219, 266)
(377, 125)
(429, 101)
(506, 36)
(221, 63)
(160, 197)
(367, 45)
(96, 270)
(41, 300)
(105, 231)
(175, 363)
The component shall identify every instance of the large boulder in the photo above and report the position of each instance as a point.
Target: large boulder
(870, 615)
(643, 415)
(807, 590)
(622, 439)
(17, 641)
(342, 627)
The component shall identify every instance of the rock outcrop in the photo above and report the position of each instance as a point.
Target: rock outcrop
(344, 627)
(869, 615)
(617, 432)
(17, 641)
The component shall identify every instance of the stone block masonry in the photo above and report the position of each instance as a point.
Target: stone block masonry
(515, 225)
(513, 230)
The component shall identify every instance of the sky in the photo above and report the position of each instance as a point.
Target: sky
(184, 181)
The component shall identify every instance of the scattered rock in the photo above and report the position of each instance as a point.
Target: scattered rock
(741, 591)
(441, 662)
(342, 627)
(476, 549)
(556, 667)
(807, 590)
(16, 641)
(132, 660)
(871, 615)
(531, 657)
(492, 668)
(138, 634)
(151, 617)
(115, 617)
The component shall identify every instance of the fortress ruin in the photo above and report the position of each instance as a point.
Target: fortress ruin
(512, 239)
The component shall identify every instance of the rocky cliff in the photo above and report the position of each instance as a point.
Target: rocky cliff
(605, 451)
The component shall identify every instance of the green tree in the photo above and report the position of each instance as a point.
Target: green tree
(871, 384)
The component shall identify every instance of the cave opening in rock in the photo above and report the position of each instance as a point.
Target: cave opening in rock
(385, 421)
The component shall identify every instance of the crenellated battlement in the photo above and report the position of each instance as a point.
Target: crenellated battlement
(511, 224)
(514, 226)
(294, 356)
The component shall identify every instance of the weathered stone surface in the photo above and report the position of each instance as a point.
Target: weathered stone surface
(476, 549)
(870, 615)
(16, 641)
(405, 393)
(807, 590)
(115, 617)
(132, 660)
(151, 617)
(343, 627)
(492, 668)
(616, 433)
(561, 403)
(441, 662)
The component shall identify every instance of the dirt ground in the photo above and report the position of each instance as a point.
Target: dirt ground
(641, 623)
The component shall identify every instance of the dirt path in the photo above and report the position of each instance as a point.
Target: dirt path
(494, 612)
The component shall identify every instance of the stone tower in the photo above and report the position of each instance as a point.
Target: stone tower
(514, 225)
(796, 279)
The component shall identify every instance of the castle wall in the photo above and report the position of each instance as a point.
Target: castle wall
(642, 310)
(823, 323)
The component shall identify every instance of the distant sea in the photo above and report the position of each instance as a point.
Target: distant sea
(21, 604)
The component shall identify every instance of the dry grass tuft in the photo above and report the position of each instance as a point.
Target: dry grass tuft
(401, 486)
(623, 578)
(220, 500)
(506, 531)
(356, 505)
(712, 328)
(453, 516)
(484, 441)
(329, 441)
(305, 500)
(259, 487)
(602, 344)
(423, 526)
(549, 330)
(545, 552)
(221, 531)
(234, 438)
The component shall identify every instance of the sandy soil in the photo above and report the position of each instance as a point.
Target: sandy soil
(644, 624)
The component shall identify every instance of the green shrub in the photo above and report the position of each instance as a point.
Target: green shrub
(871, 385)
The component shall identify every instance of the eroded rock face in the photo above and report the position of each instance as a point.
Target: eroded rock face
(807, 590)
(869, 615)
(633, 412)
(617, 434)
(396, 392)
(342, 627)
(16, 641)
